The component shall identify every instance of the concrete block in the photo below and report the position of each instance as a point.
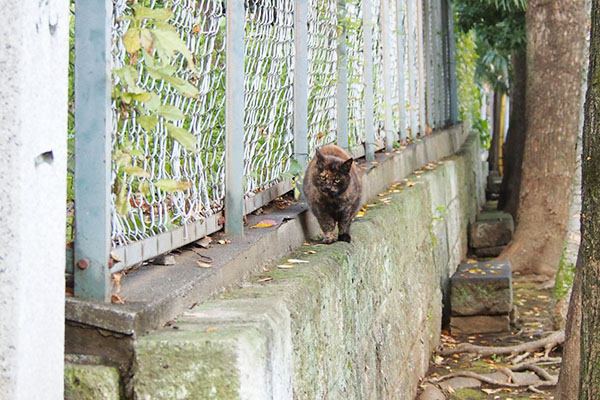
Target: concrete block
(483, 288)
(480, 324)
(91, 382)
(491, 233)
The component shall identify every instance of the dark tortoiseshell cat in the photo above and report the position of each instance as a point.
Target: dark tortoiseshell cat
(332, 187)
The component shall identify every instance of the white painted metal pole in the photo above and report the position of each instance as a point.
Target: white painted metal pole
(234, 116)
(412, 70)
(301, 82)
(368, 76)
(421, 60)
(388, 122)
(400, 38)
(342, 82)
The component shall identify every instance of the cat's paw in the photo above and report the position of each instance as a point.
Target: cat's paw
(345, 237)
(328, 238)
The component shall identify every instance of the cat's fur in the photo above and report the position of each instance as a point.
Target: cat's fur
(332, 187)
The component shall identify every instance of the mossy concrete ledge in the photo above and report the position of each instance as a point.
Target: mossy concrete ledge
(91, 382)
(357, 321)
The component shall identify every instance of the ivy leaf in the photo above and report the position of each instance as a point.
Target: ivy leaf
(160, 14)
(169, 185)
(170, 112)
(131, 40)
(167, 42)
(186, 139)
(136, 171)
(148, 122)
(146, 39)
(121, 203)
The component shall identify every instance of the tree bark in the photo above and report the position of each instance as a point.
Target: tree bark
(590, 223)
(555, 47)
(515, 139)
(568, 381)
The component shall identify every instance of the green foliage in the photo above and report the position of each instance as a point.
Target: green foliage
(469, 92)
(499, 27)
(151, 41)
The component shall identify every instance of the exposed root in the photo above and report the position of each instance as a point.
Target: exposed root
(548, 343)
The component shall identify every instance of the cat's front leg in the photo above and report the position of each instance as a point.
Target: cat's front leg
(328, 226)
(344, 230)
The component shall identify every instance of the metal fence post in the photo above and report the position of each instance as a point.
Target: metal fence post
(387, 78)
(234, 117)
(342, 82)
(421, 60)
(301, 82)
(368, 76)
(92, 182)
(412, 73)
(400, 35)
(452, 83)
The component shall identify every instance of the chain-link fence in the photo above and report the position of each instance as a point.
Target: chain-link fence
(380, 67)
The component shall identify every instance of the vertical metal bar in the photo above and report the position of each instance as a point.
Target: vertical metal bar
(92, 184)
(234, 119)
(413, 74)
(342, 82)
(439, 74)
(301, 82)
(400, 35)
(421, 60)
(429, 60)
(368, 76)
(388, 122)
(453, 85)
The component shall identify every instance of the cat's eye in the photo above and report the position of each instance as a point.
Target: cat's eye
(322, 178)
(336, 180)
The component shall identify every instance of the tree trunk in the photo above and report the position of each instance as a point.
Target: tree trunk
(555, 43)
(590, 223)
(512, 152)
(568, 381)
(494, 152)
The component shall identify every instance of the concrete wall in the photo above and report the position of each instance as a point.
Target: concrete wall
(358, 321)
(33, 138)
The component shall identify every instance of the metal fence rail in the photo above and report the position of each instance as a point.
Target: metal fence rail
(191, 110)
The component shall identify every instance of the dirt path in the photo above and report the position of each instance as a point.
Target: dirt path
(535, 322)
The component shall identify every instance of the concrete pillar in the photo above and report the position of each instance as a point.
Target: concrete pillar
(33, 142)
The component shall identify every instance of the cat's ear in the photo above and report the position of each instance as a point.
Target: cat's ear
(346, 165)
(320, 158)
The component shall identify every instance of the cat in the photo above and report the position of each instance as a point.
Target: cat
(332, 187)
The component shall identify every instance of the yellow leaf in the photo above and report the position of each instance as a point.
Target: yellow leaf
(203, 264)
(266, 223)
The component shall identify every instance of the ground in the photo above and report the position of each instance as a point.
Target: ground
(535, 322)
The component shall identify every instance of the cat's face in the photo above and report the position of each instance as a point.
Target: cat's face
(333, 176)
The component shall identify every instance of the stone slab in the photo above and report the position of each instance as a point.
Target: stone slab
(493, 215)
(91, 382)
(491, 233)
(460, 382)
(483, 288)
(480, 324)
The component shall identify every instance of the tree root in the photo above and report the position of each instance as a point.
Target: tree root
(519, 353)
(548, 343)
(545, 378)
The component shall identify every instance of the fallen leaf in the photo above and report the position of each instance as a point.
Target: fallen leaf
(296, 261)
(267, 279)
(265, 223)
(116, 299)
(360, 214)
(210, 330)
(203, 264)
(204, 242)
(224, 241)
(285, 266)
